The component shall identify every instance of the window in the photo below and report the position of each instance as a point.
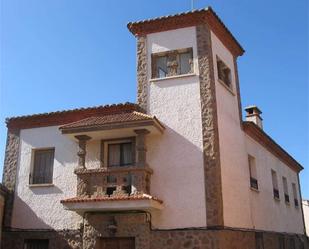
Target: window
(253, 173)
(172, 63)
(285, 189)
(36, 244)
(120, 154)
(281, 242)
(42, 170)
(295, 195)
(275, 184)
(224, 73)
(291, 243)
(259, 243)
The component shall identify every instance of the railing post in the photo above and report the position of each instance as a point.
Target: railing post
(141, 147)
(82, 141)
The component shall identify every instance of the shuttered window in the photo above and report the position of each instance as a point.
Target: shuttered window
(36, 244)
(43, 162)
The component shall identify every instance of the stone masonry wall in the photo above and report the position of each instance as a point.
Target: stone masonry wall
(116, 225)
(137, 225)
(9, 172)
(211, 152)
(65, 239)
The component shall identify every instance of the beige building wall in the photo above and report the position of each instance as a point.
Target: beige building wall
(305, 204)
(39, 207)
(232, 145)
(176, 157)
(243, 207)
(280, 217)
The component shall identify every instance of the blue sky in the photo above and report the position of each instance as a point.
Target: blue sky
(62, 54)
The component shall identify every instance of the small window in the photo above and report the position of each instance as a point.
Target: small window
(224, 73)
(42, 170)
(120, 154)
(259, 242)
(172, 63)
(295, 195)
(286, 190)
(253, 173)
(36, 244)
(281, 242)
(275, 184)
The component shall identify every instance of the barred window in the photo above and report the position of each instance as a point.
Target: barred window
(275, 184)
(286, 190)
(36, 244)
(42, 170)
(295, 195)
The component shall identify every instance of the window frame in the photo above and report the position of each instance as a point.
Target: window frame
(276, 192)
(295, 195)
(172, 56)
(229, 86)
(25, 246)
(105, 150)
(32, 167)
(254, 183)
(286, 190)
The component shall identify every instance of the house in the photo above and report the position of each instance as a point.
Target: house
(178, 169)
(306, 214)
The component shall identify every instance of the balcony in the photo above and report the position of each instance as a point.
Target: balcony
(122, 182)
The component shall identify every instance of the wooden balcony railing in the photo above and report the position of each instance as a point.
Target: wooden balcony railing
(113, 181)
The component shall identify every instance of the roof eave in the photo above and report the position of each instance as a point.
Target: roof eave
(278, 151)
(193, 18)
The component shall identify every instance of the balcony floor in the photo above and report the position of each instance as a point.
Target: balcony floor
(113, 203)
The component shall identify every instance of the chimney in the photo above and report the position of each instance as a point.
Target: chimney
(254, 115)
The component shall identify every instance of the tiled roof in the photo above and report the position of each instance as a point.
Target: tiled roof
(265, 140)
(112, 198)
(68, 116)
(159, 23)
(107, 119)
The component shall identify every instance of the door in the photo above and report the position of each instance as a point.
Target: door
(117, 243)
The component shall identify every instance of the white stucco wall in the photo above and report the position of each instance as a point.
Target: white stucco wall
(243, 207)
(39, 207)
(232, 146)
(280, 216)
(306, 214)
(176, 156)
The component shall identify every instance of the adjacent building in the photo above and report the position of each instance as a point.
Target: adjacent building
(178, 169)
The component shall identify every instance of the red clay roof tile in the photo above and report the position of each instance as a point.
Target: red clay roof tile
(112, 198)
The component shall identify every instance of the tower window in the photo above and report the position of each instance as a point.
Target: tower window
(172, 63)
(224, 73)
